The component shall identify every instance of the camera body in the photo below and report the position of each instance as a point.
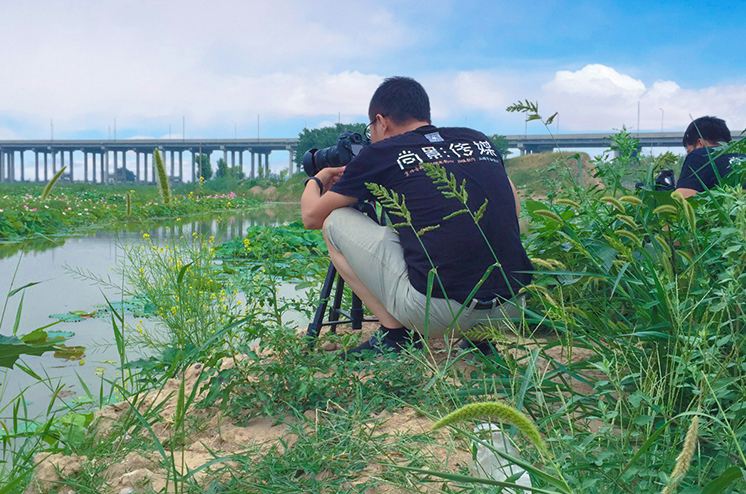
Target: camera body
(349, 144)
(663, 181)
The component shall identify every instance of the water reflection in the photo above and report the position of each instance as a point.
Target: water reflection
(223, 227)
(97, 253)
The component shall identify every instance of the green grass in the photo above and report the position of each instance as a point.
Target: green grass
(635, 324)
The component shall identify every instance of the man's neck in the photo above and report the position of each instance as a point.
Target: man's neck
(408, 127)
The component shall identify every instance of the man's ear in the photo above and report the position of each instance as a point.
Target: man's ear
(384, 123)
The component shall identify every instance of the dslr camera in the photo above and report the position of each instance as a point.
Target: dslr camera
(349, 144)
(663, 181)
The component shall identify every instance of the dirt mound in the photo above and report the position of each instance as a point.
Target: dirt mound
(51, 470)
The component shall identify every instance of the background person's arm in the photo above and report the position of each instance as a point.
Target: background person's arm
(687, 192)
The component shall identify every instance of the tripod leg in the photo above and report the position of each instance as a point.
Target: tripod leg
(356, 314)
(313, 329)
(334, 311)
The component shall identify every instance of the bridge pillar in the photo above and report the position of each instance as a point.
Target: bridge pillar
(72, 165)
(11, 170)
(266, 165)
(290, 163)
(107, 172)
(46, 167)
(181, 166)
(240, 162)
(252, 165)
(194, 165)
(3, 159)
(36, 159)
(23, 166)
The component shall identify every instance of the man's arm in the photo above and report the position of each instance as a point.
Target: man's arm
(316, 205)
(515, 198)
(687, 192)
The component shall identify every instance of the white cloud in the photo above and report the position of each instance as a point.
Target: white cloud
(597, 97)
(84, 63)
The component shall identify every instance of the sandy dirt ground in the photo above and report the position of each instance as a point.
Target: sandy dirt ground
(217, 436)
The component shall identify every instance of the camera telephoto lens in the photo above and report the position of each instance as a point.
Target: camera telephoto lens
(349, 145)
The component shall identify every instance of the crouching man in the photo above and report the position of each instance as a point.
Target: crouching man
(701, 170)
(388, 267)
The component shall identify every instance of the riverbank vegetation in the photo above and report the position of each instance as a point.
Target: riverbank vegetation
(625, 374)
(76, 208)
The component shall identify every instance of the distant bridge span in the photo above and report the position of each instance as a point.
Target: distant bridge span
(544, 143)
(101, 158)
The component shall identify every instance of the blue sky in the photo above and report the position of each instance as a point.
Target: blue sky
(84, 64)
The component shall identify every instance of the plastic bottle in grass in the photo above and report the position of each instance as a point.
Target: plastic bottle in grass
(487, 464)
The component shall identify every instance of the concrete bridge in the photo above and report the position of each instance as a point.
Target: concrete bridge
(528, 144)
(104, 161)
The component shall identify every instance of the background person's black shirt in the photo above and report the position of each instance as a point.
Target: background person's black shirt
(698, 173)
(457, 248)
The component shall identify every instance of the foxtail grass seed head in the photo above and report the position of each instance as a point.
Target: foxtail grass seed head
(665, 209)
(542, 263)
(684, 460)
(533, 288)
(556, 263)
(664, 244)
(548, 214)
(613, 201)
(567, 202)
(496, 411)
(627, 220)
(163, 184)
(676, 196)
(690, 216)
(631, 200)
(631, 236)
(50, 185)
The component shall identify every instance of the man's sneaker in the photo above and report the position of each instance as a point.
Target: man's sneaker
(485, 347)
(379, 343)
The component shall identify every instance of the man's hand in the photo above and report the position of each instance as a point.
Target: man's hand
(330, 176)
(315, 207)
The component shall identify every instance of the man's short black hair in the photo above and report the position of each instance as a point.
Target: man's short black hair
(401, 99)
(710, 129)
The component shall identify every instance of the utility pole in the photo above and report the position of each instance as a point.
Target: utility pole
(638, 119)
(661, 109)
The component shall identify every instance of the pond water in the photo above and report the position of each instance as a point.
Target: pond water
(52, 262)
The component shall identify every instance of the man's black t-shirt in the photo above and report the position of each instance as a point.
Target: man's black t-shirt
(457, 248)
(698, 173)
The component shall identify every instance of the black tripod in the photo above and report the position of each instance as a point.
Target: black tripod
(355, 315)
